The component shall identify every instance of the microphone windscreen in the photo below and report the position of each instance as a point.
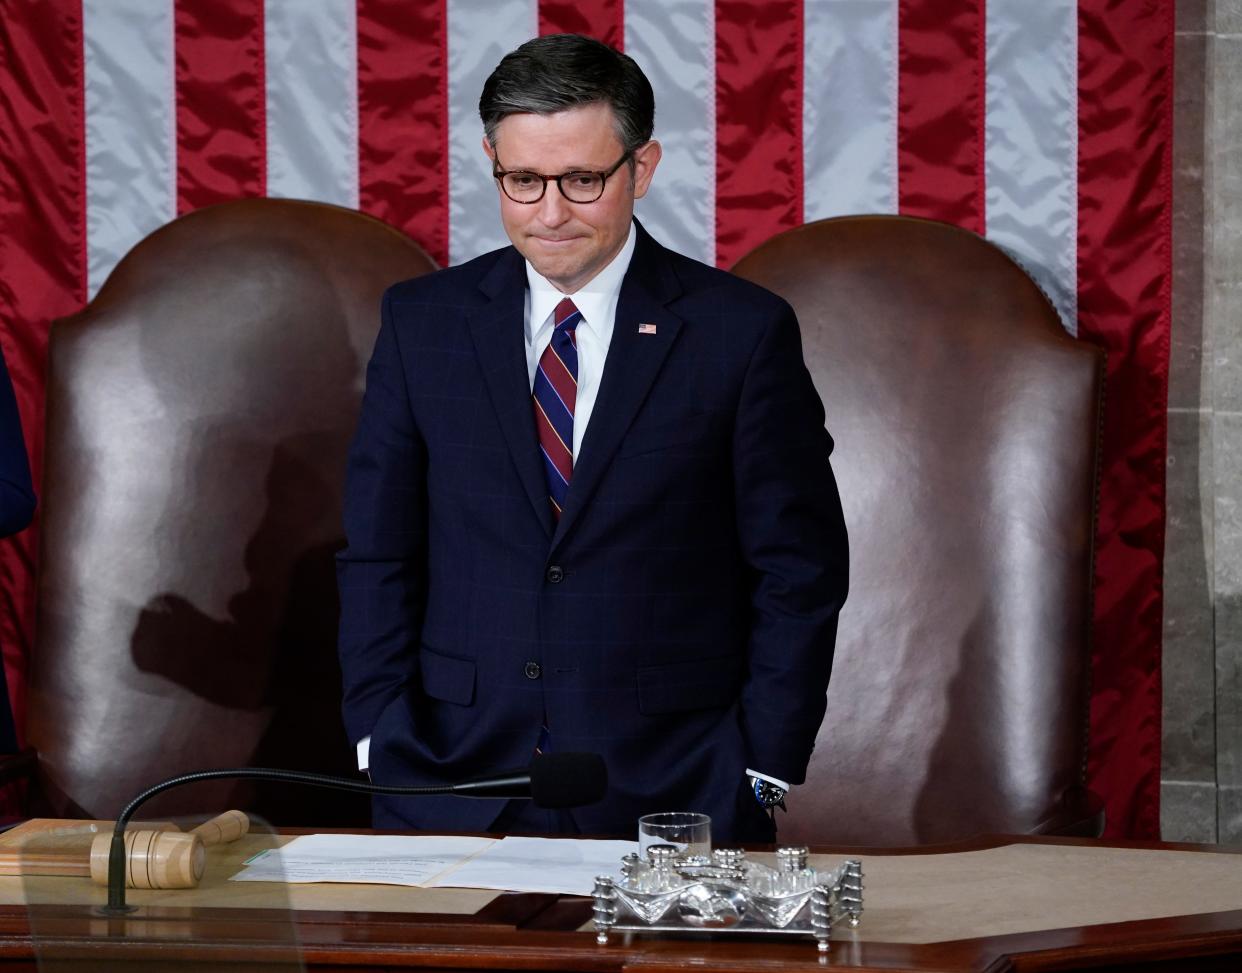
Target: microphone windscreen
(567, 779)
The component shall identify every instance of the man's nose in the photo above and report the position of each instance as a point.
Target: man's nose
(554, 207)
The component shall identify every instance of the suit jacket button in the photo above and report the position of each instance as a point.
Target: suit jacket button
(532, 670)
(555, 574)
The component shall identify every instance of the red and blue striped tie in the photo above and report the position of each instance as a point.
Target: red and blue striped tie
(555, 393)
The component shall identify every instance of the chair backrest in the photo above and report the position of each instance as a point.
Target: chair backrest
(199, 412)
(966, 423)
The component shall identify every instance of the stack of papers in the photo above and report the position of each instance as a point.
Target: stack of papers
(557, 865)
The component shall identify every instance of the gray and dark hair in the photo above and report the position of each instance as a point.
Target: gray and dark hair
(559, 71)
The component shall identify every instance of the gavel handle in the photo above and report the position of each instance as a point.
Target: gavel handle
(223, 828)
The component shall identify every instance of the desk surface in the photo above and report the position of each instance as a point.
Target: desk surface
(988, 905)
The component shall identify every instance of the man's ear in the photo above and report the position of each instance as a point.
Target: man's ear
(645, 161)
(487, 148)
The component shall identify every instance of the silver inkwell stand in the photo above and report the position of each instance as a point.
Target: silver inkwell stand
(669, 892)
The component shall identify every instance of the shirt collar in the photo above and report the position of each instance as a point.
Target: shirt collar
(596, 299)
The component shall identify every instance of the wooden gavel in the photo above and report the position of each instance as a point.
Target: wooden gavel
(165, 859)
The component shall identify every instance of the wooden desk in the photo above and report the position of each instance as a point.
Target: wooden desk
(538, 932)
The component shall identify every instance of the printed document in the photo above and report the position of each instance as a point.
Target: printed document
(361, 858)
(561, 865)
(556, 865)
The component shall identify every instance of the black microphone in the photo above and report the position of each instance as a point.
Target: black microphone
(553, 780)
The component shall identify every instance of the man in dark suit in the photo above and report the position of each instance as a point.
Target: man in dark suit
(589, 503)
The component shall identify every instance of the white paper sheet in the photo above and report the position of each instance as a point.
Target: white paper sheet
(368, 859)
(559, 865)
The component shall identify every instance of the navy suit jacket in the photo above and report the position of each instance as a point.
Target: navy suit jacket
(680, 617)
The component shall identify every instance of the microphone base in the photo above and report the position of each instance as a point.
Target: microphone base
(114, 912)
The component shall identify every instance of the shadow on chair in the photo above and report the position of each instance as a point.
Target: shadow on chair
(199, 412)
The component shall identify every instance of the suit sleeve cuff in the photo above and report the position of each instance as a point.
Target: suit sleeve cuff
(364, 753)
(749, 773)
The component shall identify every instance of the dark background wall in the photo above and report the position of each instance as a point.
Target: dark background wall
(1201, 788)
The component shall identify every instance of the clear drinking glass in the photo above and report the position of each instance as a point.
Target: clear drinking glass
(688, 831)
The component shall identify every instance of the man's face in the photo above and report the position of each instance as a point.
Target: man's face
(569, 243)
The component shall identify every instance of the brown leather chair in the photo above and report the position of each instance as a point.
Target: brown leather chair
(199, 412)
(966, 422)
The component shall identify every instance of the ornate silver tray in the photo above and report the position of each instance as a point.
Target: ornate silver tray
(727, 893)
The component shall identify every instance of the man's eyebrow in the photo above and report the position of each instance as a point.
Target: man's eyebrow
(577, 167)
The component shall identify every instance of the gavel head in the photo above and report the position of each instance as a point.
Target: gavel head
(153, 859)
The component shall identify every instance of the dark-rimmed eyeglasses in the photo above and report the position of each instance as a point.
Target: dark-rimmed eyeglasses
(577, 187)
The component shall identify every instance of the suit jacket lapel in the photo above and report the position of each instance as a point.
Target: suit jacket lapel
(632, 364)
(500, 343)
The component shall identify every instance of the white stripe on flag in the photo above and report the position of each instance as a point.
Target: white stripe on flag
(674, 42)
(1031, 142)
(131, 165)
(849, 108)
(479, 35)
(312, 100)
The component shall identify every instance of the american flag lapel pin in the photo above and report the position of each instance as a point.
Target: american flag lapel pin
(646, 329)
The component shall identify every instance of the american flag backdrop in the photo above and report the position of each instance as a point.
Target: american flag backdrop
(1043, 124)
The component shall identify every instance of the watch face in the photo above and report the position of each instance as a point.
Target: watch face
(768, 794)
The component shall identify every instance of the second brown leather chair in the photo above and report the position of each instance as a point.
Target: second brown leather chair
(966, 424)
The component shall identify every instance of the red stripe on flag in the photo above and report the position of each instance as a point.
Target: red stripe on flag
(602, 19)
(403, 125)
(1125, 68)
(42, 254)
(940, 110)
(758, 123)
(221, 102)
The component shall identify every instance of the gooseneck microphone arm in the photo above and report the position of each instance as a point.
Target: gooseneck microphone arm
(553, 780)
(116, 851)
